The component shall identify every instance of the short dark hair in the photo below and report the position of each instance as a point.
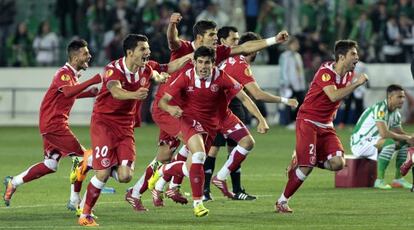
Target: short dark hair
(224, 32)
(131, 41)
(75, 45)
(393, 88)
(249, 36)
(202, 26)
(343, 46)
(204, 51)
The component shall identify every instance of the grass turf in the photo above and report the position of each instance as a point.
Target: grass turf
(318, 205)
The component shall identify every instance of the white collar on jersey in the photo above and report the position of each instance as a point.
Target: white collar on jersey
(73, 69)
(128, 73)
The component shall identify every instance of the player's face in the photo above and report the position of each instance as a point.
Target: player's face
(396, 99)
(82, 58)
(232, 39)
(141, 54)
(351, 59)
(204, 66)
(210, 38)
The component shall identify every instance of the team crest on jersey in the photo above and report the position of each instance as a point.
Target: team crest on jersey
(214, 88)
(248, 72)
(109, 73)
(65, 77)
(381, 114)
(143, 81)
(190, 89)
(326, 77)
(105, 162)
(237, 85)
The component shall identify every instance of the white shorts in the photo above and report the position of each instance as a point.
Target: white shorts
(366, 148)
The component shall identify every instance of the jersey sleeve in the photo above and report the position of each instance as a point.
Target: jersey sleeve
(222, 53)
(175, 87)
(111, 74)
(158, 67)
(379, 112)
(62, 79)
(241, 72)
(231, 86)
(324, 78)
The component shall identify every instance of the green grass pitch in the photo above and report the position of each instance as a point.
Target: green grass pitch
(41, 204)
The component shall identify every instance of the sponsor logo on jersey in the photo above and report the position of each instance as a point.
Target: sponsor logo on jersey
(248, 72)
(214, 88)
(326, 77)
(143, 81)
(65, 77)
(109, 73)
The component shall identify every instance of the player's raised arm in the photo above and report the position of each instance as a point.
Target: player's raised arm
(73, 90)
(261, 95)
(256, 45)
(174, 111)
(172, 31)
(262, 126)
(119, 93)
(336, 94)
(179, 62)
(160, 77)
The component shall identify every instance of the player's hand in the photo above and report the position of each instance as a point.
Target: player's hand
(163, 77)
(175, 18)
(282, 36)
(292, 102)
(175, 111)
(362, 78)
(262, 127)
(96, 79)
(141, 93)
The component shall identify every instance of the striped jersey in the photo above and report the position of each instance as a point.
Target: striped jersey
(366, 126)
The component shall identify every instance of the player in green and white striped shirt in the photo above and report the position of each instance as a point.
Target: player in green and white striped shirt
(378, 134)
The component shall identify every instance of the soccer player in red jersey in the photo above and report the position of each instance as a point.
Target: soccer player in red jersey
(201, 89)
(316, 141)
(205, 33)
(58, 139)
(125, 85)
(237, 67)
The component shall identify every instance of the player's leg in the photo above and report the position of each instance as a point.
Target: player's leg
(387, 148)
(174, 190)
(210, 163)
(306, 140)
(406, 166)
(399, 181)
(245, 143)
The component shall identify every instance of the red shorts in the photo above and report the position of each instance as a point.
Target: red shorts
(233, 128)
(111, 145)
(169, 128)
(316, 144)
(63, 144)
(189, 127)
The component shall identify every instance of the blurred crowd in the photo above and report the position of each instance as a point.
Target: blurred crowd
(35, 32)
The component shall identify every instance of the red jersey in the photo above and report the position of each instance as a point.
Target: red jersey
(187, 47)
(121, 112)
(200, 96)
(317, 106)
(55, 107)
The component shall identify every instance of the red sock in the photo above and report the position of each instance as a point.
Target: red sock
(36, 171)
(197, 180)
(77, 186)
(238, 158)
(92, 196)
(292, 185)
(178, 179)
(148, 174)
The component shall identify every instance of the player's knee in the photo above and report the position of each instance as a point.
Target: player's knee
(51, 164)
(125, 178)
(247, 142)
(337, 163)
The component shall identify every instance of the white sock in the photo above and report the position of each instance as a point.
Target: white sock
(172, 184)
(197, 202)
(135, 190)
(159, 186)
(114, 174)
(282, 199)
(74, 196)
